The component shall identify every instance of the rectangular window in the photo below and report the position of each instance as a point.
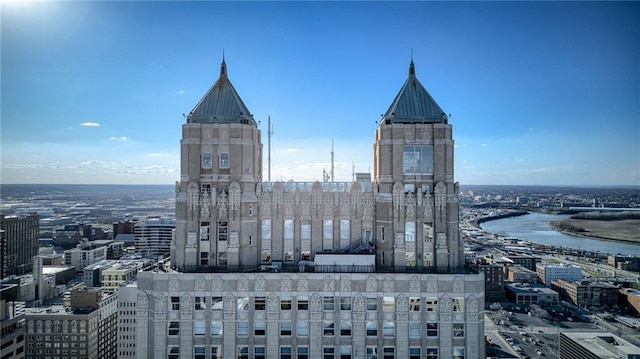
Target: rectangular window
(414, 304)
(303, 303)
(224, 160)
(199, 352)
(345, 329)
(174, 328)
(200, 303)
(285, 352)
(207, 161)
(216, 352)
(259, 352)
(345, 303)
(458, 352)
(345, 234)
(417, 159)
(372, 304)
(243, 329)
(222, 231)
(199, 328)
(329, 303)
(305, 240)
(285, 304)
(388, 329)
(175, 303)
(243, 352)
(259, 328)
(204, 258)
(302, 328)
(458, 304)
(327, 235)
(414, 353)
(285, 328)
(388, 304)
(216, 328)
(216, 303)
(432, 353)
(260, 303)
(303, 352)
(328, 353)
(345, 352)
(288, 240)
(458, 330)
(328, 329)
(372, 352)
(266, 240)
(415, 330)
(204, 231)
(410, 231)
(243, 304)
(432, 304)
(388, 353)
(173, 352)
(432, 329)
(372, 329)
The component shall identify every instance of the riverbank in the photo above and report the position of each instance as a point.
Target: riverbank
(626, 230)
(481, 220)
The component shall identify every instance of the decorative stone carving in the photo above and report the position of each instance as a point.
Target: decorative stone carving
(234, 195)
(303, 283)
(328, 209)
(414, 284)
(273, 302)
(186, 302)
(472, 304)
(445, 304)
(411, 207)
(222, 206)
(193, 193)
(445, 317)
(345, 283)
(159, 302)
(205, 202)
(265, 209)
(409, 132)
(143, 301)
(432, 284)
(458, 284)
(328, 283)
(428, 207)
(174, 283)
(345, 211)
(387, 284)
(229, 316)
(229, 302)
(260, 283)
(367, 212)
(440, 192)
(286, 315)
(402, 317)
(402, 303)
(372, 283)
(272, 316)
(243, 316)
(285, 283)
(217, 283)
(243, 283)
(316, 302)
(186, 315)
(288, 209)
(305, 211)
(201, 283)
(358, 303)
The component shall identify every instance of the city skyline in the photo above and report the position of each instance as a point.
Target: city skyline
(95, 92)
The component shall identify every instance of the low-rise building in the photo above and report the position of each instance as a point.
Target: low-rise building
(493, 282)
(84, 254)
(590, 345)
(531, 294)
(528, 262)
(631, 298)
(519, 274)
(584, 293)
(630, 263)
(547, 273)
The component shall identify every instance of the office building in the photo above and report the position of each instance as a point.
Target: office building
(587, 293)
(12, 343)
(314, 270)
(547, 273)
(590, 345)
(153, 236)
(19, 243)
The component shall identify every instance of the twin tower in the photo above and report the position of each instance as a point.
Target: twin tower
(228, 218)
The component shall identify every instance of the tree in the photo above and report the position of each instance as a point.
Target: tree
(495, 307)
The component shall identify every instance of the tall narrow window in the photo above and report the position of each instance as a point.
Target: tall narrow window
(266, 240)
(204, 231)
(206, 160)
(345, 234)
(305, 240)
(224, 160)
(410, 242)
(327, 235)
(288, 240)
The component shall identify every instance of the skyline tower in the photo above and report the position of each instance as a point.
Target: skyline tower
(310, 269)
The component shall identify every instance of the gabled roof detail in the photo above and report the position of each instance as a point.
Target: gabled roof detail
(413, 104)
(221, 104)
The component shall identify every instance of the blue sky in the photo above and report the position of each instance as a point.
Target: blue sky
(539, 92)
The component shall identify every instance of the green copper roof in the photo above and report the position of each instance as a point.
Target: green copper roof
(413, 104)
(221, 104)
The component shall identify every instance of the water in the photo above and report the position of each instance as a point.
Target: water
(534, 227)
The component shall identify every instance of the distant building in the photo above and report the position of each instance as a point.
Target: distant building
(12, 311)
(585, 293)
(629, 263)
(520, 274)
(528, 262)
(127, 325)
(19, 243)
(591, 345)
(493, 282)
(534, 294)
(84, 254)
(153, 236)
(547, 273)
(85, 330)
(631, 299)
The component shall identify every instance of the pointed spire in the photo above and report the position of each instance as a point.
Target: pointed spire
(412, 68)
(223, 66)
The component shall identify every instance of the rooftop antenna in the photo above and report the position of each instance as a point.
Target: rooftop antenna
(353, 172)
(269, 133)
(332, 160)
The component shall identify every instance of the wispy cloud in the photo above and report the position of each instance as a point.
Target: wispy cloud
(292, 150)
(159, 154)
(123, 138)
(90, 124)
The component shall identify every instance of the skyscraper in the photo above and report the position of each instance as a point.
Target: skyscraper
(311, 270)
(20, 243)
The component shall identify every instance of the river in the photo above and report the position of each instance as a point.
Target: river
(534, 227)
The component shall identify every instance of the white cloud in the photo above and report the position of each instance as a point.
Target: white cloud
(159, 154)
(90, 124)
(181, 92)
(292, 150)
(123, 138)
